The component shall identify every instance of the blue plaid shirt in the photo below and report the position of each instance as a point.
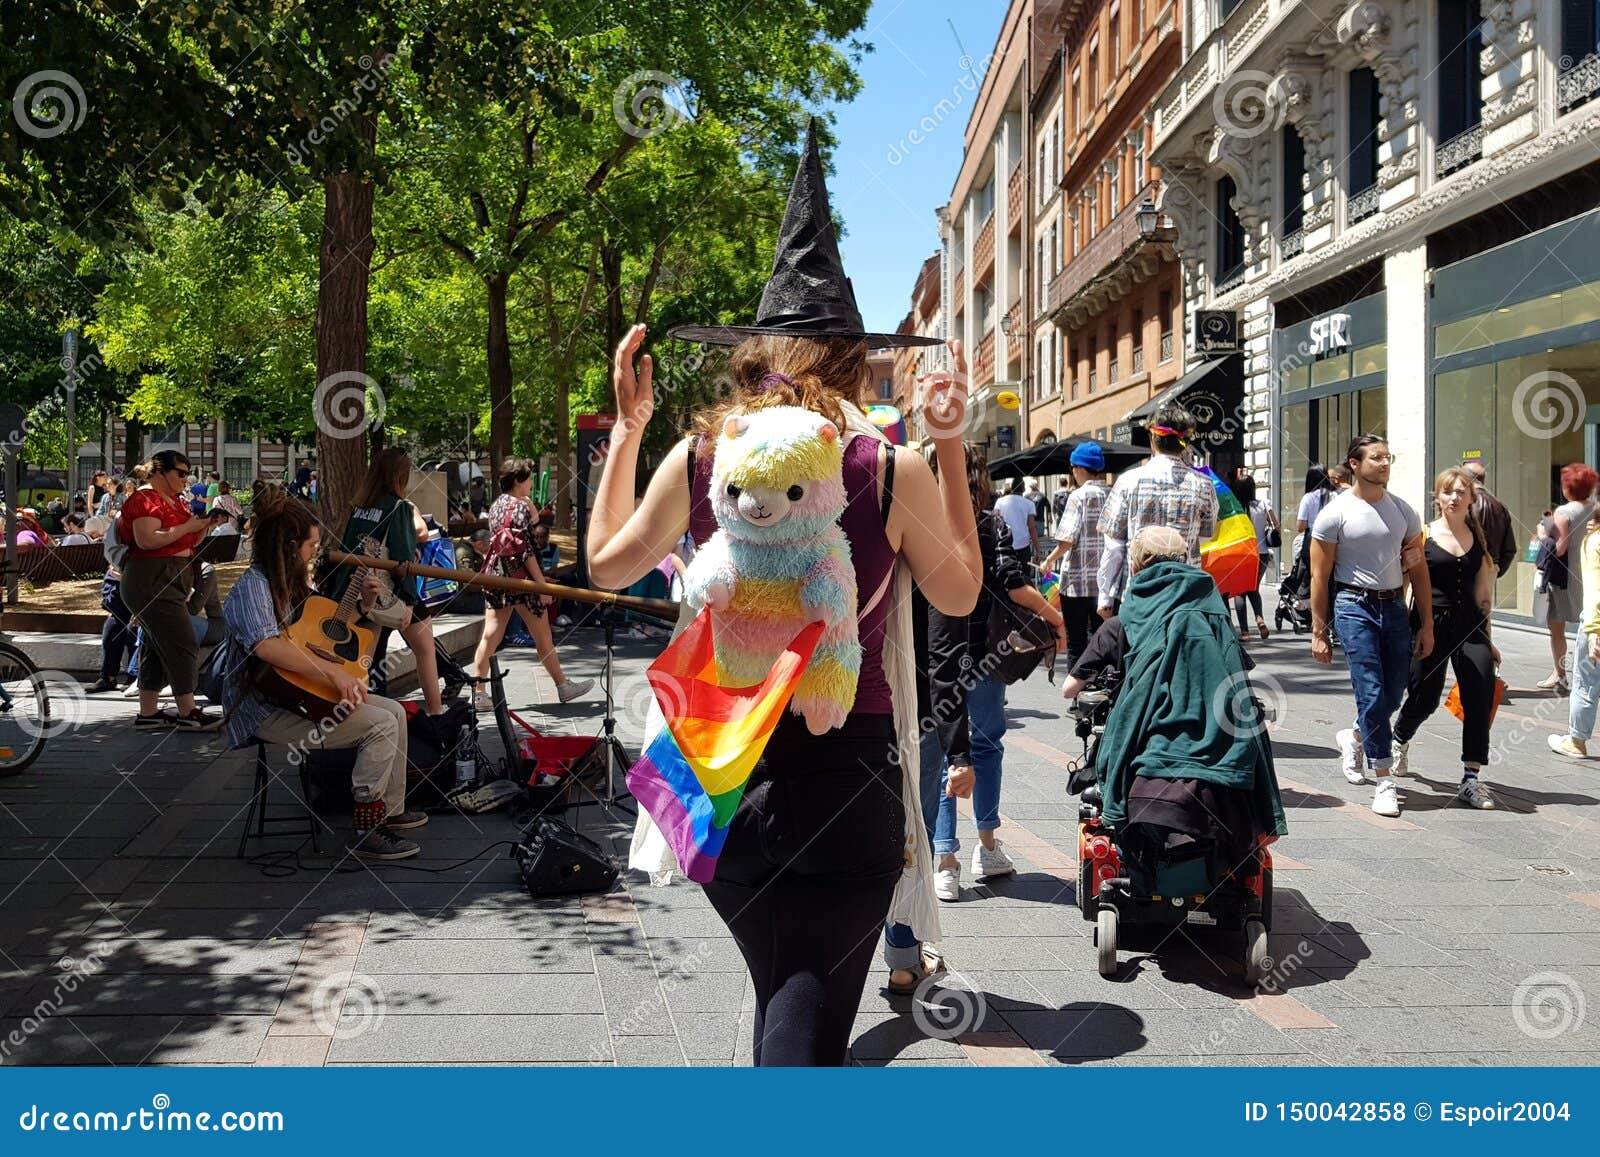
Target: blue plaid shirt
(249, 617)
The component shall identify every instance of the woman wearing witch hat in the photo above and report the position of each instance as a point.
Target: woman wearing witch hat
(828, 839)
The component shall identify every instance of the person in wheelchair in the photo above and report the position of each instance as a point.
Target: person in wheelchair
(1184, 747)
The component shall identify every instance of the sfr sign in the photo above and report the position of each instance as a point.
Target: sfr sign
(1330, 333)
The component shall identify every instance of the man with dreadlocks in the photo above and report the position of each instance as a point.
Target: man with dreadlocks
(1162, 492)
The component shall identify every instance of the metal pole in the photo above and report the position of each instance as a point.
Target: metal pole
(69, 352)
(13, 564)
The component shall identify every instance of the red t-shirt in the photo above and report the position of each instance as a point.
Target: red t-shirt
(147, 503)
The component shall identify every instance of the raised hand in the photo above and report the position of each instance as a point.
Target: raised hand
(941, 398)
(635, 400)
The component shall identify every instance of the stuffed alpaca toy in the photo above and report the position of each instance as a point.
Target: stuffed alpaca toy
(779, 559)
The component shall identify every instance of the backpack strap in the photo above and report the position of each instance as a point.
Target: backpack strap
(887, 497)
(694, 449)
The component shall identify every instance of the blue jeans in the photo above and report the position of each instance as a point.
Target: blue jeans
(986, 722)
(1585, 691)
(1376, 636)
(901, 948)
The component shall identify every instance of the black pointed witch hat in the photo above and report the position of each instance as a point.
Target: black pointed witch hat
(808, 294)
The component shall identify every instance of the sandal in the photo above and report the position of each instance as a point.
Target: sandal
(931, 964)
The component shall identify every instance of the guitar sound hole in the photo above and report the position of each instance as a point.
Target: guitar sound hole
(336, 631)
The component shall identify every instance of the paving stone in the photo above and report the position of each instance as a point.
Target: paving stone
(68, 994)
(496, 956)
(129, 1040)
(502, 1037)
(457, 993)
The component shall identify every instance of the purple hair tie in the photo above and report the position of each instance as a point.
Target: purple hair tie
(770, 377)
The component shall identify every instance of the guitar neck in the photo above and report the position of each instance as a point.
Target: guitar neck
(352, 598)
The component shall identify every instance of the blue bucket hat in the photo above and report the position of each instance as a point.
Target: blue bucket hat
(1089, 456)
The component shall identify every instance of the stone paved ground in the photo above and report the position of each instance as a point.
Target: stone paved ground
(1404, 941)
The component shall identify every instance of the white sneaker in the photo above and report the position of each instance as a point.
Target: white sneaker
(947, 884)
(1352, 760)
(986, 863)
(1401, 764)
(1475, 794)
(482, 701)
(573, 689)
(1386, 798)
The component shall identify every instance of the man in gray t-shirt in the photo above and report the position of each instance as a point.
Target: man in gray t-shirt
(1359, 565)
(1369, 537)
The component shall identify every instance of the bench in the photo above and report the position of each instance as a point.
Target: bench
(43, 565)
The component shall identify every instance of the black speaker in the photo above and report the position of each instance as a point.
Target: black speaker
(1216, 331)
(556, 860)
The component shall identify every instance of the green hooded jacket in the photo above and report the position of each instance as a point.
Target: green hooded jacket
(1184, 710)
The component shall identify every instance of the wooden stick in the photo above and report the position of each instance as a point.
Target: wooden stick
(655, 608)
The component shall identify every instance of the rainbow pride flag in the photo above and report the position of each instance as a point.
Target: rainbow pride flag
(890, 421)
(1230, 557)
(693, 772)
(1050, 588)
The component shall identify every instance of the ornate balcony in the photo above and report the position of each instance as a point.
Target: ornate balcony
(1291, 244)
(983, 250)
(983, 368)
(1166, 346)
(1115, 261)
(1014, 199)
(1578, 84)
(1459, 151)
(1363, 204)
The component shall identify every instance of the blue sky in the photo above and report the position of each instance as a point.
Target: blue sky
(884, 186)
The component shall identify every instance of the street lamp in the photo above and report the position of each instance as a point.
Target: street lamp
(1146, 216)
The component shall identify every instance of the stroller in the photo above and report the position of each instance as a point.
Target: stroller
(1188, 854)
(1294, 597)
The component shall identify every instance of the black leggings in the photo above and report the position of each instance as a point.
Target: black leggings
(805, 881)
(1459, 642)
(1083, 620)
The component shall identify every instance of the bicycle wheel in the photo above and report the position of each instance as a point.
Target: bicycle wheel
(24, 711)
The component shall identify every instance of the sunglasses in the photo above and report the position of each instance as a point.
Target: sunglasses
(179, 471)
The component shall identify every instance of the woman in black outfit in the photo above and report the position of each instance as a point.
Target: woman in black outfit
(1462, 574)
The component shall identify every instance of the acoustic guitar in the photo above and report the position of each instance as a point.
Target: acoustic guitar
(329, 631)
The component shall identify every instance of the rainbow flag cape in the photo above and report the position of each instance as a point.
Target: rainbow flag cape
(1230, 557)
(890, 421)
(693, 772)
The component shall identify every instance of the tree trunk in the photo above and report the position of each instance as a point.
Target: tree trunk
(502, 415)
(344, 264)
(132, 437)
(563, 422)
(611, 272)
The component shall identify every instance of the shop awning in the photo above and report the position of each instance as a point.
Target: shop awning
(1054, 459)
(1213, 391)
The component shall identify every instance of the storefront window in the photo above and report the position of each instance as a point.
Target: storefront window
(1334, 369)
(1527, 417)
(1294, 453)
(1372, 416)
(1372, 359)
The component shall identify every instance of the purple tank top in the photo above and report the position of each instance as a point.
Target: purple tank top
(870, 553)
